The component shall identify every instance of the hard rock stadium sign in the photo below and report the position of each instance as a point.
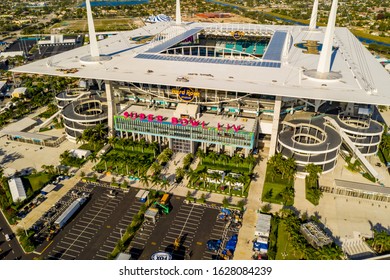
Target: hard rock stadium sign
(186, 94)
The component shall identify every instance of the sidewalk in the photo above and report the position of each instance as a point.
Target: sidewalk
(247, 231)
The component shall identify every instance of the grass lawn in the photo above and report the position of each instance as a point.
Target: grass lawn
(91, 147)
(276, 188)
(107, 24)
(363, 34)
(285, 251)
(37, 181)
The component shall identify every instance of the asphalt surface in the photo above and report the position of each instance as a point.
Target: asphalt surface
(192, 224)
(94, 231)
(10, 250)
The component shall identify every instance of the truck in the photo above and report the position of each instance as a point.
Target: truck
(69, 212)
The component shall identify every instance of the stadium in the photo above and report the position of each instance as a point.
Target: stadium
(233, 88)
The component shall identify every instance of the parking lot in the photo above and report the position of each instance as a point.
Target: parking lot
(191, 224)
(94, 231)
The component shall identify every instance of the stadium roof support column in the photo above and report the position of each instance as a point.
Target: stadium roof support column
(111, 108)
(91, 30)
(178, 13)
(326, 52)
(275, 126)
(313, 19)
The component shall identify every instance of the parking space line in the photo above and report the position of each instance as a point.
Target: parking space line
(69, 248)
(63, 254)
(100, 256)
(68, 243)
(136, 242)
(107, 246)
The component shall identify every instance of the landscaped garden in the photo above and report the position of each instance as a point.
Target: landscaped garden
(221, 173)
(279, 180)
(128, 158)
(313, 192)
(286, 242)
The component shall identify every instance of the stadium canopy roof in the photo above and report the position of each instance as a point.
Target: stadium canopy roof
(363, 79)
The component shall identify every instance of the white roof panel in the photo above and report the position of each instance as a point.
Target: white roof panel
(363, 79)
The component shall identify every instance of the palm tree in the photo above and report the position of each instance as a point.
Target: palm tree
(155, 180)
(145, 180)
(225, 158)
(251, 161)
(213, 156)
(192, 176)
(163, 158)
(155, 147)
(203, 173)
(288, 194)
(65, 155)
(215, 176)
(155, 168)
(93, 157)
(237, 159)
(79, 139)
(105, 158)
(243, 179)
(313, 170)
(288, 168)
(143, 144)
(230, 180)
(200, 154)
(164, 183)
(180, 172)
(187, 160)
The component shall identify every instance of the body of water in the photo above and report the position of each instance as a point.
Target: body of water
(116, 3)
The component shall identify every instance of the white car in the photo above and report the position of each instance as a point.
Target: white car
(7, 238)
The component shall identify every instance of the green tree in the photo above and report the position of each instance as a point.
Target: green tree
(180, 173)
(213, 156)
(200, 154)
(288, 194)
(225, 202)
(251, 161)
(145, 180)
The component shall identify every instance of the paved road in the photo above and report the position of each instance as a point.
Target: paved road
(9, 249)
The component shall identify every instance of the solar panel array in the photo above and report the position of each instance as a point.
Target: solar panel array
(212, 60)
(275, 46)
(175, 40)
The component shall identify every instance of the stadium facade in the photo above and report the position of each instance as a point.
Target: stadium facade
(229, 87)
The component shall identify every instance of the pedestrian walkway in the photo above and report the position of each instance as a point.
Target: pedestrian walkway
(247, 231)
(356, 248)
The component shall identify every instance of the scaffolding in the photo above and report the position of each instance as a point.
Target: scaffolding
(314, 235)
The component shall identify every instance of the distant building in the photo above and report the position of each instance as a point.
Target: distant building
(158, 18)
(57, 39)
(17, 189)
